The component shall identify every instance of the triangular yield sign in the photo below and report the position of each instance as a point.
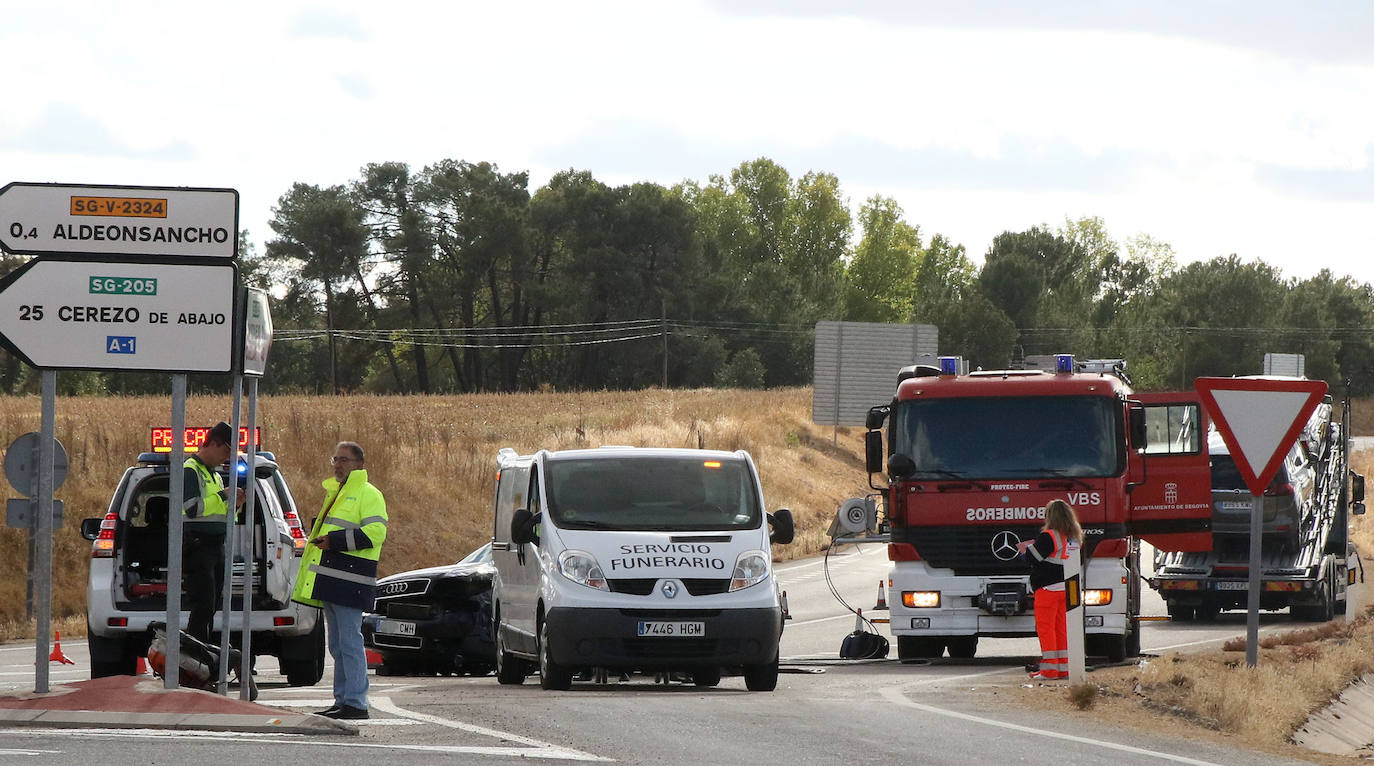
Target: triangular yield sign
(1259, 419)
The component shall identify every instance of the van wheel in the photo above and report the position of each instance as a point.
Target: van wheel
(510, 670)
(552, 676)
(706, 677)
(761, 678)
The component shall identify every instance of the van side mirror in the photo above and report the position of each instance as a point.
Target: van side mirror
(522, 527)
(873, 451)
(1356, 487)
(90, 528)
(1139, 435)
(784, 530)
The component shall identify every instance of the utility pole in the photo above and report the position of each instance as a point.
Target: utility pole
(663, 302)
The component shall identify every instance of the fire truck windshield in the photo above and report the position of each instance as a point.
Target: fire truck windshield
(1011, 437)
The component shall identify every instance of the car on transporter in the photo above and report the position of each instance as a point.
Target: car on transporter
(127, 584)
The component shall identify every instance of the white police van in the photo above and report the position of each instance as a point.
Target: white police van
(127, 585)
(635, 559)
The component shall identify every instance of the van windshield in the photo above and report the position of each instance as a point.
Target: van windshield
(652, 493)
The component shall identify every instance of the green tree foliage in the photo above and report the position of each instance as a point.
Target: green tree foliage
(459, 278)
(882, 275)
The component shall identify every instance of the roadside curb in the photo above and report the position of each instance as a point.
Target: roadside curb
(253, 724)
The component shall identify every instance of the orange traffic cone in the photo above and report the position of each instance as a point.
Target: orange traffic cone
(57, 655)
(142, 669)
(882, 597)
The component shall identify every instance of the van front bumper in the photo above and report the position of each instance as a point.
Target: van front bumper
(609, 638)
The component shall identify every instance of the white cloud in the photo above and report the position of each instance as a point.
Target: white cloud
(1222, 140)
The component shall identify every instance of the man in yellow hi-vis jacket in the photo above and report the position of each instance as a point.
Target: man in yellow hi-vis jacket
(339, 573)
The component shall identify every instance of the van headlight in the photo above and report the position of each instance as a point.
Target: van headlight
(581, 567)
(750, 569)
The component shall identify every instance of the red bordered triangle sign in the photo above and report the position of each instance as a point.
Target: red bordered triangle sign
(1259, 419)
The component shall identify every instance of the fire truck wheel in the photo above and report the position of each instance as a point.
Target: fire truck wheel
(912, 648)
(962, 647)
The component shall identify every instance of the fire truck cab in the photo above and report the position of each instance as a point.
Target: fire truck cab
(972, 461)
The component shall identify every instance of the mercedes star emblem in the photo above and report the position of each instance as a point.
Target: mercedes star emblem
(1004, 545)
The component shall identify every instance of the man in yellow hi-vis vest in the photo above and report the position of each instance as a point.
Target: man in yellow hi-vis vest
(339, 573)
(202, 538)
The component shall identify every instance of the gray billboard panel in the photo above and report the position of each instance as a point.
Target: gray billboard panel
(856, 365)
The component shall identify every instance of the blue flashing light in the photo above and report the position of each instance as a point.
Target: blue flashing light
(1063, 363)
(243, 467)
(949, 365)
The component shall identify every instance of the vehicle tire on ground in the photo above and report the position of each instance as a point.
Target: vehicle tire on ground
(1133, 640)
(962, 647)
(510, 670)
(761, 678)
(301, 658)
(552, 676)
(1181, 612)
(1114, 648)
(1322, 611)
(912, 648)
(111, 656)
(706, 677)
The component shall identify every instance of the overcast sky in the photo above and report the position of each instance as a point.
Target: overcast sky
(1218, 126)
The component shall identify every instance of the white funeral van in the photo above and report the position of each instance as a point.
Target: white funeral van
(635, 559)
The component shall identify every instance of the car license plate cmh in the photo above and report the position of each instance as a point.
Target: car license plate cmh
(673, 629)
(396, 627)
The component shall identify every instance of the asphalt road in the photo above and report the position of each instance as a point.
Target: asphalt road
(824, 711)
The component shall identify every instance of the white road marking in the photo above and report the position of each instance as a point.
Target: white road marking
(29, 752)
(544, 749)
(894, 694)
(296, 739)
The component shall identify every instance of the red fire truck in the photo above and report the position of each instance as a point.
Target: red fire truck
(972, 460)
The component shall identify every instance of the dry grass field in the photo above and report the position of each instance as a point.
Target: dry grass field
(434, 458)
(1214, 694)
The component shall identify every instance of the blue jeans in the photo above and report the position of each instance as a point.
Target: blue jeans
(344, 634)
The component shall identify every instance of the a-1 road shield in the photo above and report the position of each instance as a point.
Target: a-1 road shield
(1172, 508)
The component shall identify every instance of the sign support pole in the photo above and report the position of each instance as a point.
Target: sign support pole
(172, 669)
(1253, 599)
(1073, 614)
(43, 571)
(230, 547)
(250, 524)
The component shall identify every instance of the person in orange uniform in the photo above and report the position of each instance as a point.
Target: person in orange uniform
(1058, 539)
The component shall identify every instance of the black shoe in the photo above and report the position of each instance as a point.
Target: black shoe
(328, 713)
(348, 713)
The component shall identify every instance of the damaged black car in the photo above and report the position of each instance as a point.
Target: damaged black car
(434, 621)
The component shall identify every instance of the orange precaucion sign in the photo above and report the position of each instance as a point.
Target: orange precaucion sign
(1259, 419)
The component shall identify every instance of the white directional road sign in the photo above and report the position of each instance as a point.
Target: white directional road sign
(120, 316)
(135, 221)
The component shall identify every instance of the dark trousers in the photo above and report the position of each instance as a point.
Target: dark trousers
(202, 579)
